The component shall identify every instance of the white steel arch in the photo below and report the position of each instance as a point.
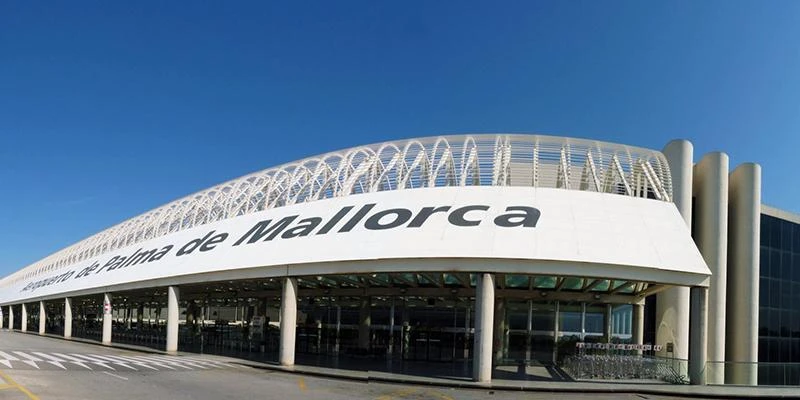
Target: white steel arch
(467, 160)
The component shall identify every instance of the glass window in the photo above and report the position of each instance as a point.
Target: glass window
(764, 260)
(765, 224)
(786, 235)
(774, 293)
(775, 233)
(774, 350)
(762, 322)
(786, 317)
(796, 238)
(774, 263)
(796, 267)
(763, 293)
(786, 266)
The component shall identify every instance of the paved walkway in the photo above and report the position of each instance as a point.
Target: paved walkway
(532, 378)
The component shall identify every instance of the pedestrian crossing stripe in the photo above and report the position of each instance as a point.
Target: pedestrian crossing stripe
(16, 359)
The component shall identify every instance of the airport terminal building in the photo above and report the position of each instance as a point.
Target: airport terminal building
(469, 252)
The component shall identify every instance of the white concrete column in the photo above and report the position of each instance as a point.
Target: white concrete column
(711, 235)
(2, 314)
(364, 323)
(607, 322)
(67, 317)
(637, 325)
(744, 238)
(10, 317)
(106, 318)
(698, 343)
(42, 318)
(288, 321)
(672, 305)
(24, 318)
(173, 317)
(484, 327)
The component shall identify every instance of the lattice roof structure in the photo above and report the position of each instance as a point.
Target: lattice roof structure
(467, 160)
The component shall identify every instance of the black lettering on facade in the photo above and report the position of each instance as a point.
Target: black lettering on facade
(424, 213)
(335, 220)
(264, 228)
(193, 244)
(357, 217)
(525, 216)
(139, 258)
(303, 228)
(400, 217)
(458, 216)
(161, 253)
(86, 271)
(213, 241)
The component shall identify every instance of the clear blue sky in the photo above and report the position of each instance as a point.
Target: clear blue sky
(111, 108)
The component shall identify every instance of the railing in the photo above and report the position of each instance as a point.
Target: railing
(751, 374)
(626, 367)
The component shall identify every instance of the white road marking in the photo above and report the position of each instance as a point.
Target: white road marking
(53, 360)
(178, 360)
(74, 360)
(134, 362)
(29, 357)
(7, 363)
(115, 375)
(152, 362)
(159, 362)
(8, 357)
(115, 362)
(95, 361)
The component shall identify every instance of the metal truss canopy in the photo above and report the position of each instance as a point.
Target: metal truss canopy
(469, 160)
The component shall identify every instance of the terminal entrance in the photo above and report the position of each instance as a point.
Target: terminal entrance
(369, 321)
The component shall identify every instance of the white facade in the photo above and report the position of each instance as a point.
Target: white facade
(485, 205)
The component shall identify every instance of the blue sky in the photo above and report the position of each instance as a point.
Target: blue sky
(109, 109)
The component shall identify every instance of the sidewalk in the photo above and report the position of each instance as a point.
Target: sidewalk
(531, 378)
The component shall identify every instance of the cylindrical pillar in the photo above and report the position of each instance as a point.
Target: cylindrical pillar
(697, 342)
(173, 317)
(288, 321)
(24, 318)
(711, 235)
(608, 323)
(42, 317)
(484, 327)
(10, 318)
(637, 325)
(672, 305)
(106, 318)
(364, 323)
(741, 350)
(2, 320)
(67, 317)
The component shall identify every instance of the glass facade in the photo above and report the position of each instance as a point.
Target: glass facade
(779, 294)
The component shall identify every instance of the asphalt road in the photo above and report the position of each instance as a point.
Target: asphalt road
(33, 367)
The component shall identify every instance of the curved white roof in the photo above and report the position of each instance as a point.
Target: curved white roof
(469, 160)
